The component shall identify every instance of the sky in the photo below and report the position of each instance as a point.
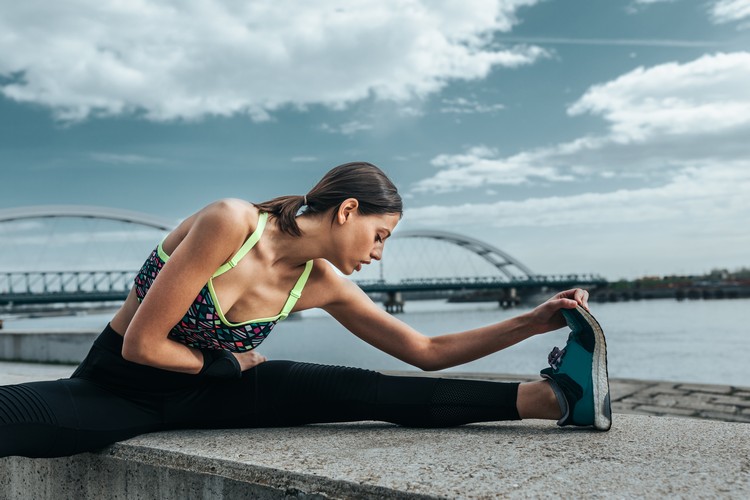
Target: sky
(579, 137)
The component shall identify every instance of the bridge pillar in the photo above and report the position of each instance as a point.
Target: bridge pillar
(394, 304)
(509, 298)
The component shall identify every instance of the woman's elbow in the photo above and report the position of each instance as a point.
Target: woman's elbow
(134, 352)
(427, 358)
(430, 365)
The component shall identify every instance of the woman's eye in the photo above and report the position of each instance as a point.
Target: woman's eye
(378, 239)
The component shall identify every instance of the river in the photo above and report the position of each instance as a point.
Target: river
(702, 341)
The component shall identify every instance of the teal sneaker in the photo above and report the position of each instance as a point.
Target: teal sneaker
(578, 373)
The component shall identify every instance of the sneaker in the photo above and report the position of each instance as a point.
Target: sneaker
(578, 373)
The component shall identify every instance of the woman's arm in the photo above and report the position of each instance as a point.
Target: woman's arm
(355, 311)
(217, 232)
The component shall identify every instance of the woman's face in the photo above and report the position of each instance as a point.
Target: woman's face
(359, 239)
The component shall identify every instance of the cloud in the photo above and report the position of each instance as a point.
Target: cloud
(659, 119)
(304, 159)
(125, 159)
(480, 166)
(189, 59)
(461, 105)
(697, 194)
(706, 96)
(348, 128)
(727, 11)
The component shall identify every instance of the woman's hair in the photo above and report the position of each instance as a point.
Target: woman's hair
(365, 182)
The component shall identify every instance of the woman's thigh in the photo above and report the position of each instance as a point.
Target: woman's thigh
(285, 393)
(276, 393)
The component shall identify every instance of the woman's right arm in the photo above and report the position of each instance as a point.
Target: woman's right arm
(217, 232)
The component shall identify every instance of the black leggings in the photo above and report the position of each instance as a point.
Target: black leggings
(109, 399)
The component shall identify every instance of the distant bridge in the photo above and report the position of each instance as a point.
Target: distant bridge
(23, 288)
(46, 287)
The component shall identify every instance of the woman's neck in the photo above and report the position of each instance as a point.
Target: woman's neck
(288, 250)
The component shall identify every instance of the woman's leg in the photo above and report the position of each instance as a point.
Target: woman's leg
(65, 417)
(287, 393)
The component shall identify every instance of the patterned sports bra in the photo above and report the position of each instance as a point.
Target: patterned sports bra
(204, 325)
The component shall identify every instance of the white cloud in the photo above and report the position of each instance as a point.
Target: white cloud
(697, 194)
(663, 118)
(480, 166)
(726, 11)
(706, 96)
(461, 105)
(125, 159)
(304, 159)
(348, 128)
(191, 58)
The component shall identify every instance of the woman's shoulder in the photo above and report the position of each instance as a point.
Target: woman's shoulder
(229, 214)
(230, 207)
(232, 218)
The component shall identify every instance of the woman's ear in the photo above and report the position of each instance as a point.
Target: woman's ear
(347, 208)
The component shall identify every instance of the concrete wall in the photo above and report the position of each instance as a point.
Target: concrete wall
(45, 347)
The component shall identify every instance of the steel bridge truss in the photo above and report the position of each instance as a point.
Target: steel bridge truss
(509, 267)
(63, 286)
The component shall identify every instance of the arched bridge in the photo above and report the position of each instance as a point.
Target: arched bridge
(489, 267)
(85, 212)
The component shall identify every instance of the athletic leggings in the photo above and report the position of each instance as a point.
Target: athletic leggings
(109, 399)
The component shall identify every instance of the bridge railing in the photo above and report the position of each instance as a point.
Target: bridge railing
(64, 282)
(533, 280)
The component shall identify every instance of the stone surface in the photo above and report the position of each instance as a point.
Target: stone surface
(640, 457)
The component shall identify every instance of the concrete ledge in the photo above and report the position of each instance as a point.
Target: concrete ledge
(640, 457)
(45, 346)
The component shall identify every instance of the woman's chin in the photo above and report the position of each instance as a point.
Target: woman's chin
(343, 272)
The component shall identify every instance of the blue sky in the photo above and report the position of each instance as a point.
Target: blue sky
(607, 137)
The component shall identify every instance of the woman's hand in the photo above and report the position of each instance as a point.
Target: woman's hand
(547, 316)
(249, 359)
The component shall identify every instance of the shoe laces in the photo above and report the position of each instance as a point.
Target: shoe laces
(555, 357)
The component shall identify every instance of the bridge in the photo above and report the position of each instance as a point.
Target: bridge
(449, 262)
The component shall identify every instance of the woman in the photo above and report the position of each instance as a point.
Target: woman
(180, 351)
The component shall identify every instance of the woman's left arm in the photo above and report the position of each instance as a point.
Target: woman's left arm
(360, 315)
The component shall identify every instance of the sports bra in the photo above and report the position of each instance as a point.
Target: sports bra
(204, 325)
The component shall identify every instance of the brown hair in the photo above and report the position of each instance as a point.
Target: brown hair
(363, 181)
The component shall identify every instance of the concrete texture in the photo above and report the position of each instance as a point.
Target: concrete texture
(45, 346)
(640, 457)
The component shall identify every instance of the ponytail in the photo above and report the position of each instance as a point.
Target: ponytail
(363, 181)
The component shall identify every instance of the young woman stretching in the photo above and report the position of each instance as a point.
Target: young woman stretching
(180, 352)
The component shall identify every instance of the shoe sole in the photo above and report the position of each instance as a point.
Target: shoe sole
(599, 374)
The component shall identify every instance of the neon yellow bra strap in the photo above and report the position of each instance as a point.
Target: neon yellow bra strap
(296, 292)
(250, 243)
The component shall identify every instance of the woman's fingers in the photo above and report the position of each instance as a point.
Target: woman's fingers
(249, 359)
(582, 298)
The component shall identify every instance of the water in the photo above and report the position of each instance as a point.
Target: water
(693, 341)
